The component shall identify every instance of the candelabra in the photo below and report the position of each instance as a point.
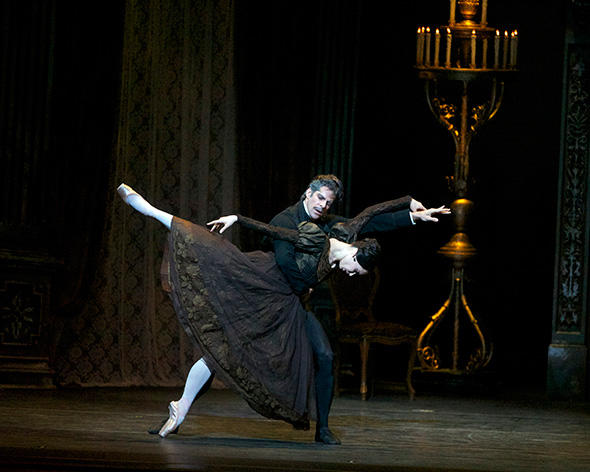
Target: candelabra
(464, 75)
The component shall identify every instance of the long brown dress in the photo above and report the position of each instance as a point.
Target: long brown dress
(241, 312)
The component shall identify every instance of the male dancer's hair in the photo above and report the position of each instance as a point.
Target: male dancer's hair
(326, 180)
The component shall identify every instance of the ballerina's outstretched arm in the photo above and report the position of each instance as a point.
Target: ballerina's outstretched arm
(136, 201)
(276, 232)
(349, 230)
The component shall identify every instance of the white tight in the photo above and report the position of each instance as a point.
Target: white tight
(199, 373)
(196, 379)
(141, 205)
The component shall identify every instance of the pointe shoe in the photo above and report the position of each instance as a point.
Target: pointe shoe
(156, 429)
(125, 192)
(173, 420)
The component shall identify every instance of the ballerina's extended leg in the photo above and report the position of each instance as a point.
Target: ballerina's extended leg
(197, 378)
(199, 375)
(136, 201)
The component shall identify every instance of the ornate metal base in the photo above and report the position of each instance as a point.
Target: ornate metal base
(458, 250)
(457, 304)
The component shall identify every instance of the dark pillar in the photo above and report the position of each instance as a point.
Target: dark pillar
(567, 373)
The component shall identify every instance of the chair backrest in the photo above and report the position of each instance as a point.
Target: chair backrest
(353, 297)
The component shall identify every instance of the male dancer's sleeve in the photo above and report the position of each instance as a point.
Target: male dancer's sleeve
(285, 256)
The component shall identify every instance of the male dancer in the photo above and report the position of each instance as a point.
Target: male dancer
(314, 205)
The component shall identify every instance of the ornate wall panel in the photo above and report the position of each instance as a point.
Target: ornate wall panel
(572, 251)
(567, 368)
(25, 320)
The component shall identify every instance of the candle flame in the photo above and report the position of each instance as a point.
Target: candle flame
(473, 32)
(448, 30)
(515, 32)
(506, 34)
(497, 32)
(437, 31)
(512, 35)
(428, 29)
(419, 29)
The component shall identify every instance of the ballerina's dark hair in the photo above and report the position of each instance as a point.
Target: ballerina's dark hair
(368, 252)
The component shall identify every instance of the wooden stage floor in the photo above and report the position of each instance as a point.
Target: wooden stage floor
(92, 429)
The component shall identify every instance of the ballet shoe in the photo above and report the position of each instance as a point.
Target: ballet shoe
(173, 421)
(156, 429)
(125, 192)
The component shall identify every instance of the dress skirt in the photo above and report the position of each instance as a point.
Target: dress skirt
(243, 315)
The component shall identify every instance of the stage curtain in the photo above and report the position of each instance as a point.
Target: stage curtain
(297, 68)
(176, 146)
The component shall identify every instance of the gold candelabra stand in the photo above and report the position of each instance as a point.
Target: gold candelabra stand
(464, 66)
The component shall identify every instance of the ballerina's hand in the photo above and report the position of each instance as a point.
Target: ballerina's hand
(427, 215)
(222, 223)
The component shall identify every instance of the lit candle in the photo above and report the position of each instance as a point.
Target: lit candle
(448, 51)
(436, 46)
(513, 47)
(473, 37)
(422, 45)
(496, 49)
(452, 15)
(484, 54)
(510, 61)
(505, 51)
(484, 12)
(427, 49)
(418, 46)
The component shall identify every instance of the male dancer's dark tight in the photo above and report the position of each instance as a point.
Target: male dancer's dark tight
(324, 375)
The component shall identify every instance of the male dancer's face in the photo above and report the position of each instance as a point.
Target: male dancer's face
(319, 202)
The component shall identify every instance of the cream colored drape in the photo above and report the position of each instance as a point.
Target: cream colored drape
(176, 146)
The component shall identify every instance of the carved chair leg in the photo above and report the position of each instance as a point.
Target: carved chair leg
(364, 360)
(411, 362)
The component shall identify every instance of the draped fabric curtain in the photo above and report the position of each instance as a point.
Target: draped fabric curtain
(26, 76)
(175, 146)
(335, 106)
(297, 83)
(57, 95)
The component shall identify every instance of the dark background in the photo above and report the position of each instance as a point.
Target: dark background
(399, 149)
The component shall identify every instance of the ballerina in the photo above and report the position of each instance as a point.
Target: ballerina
(241, 312)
